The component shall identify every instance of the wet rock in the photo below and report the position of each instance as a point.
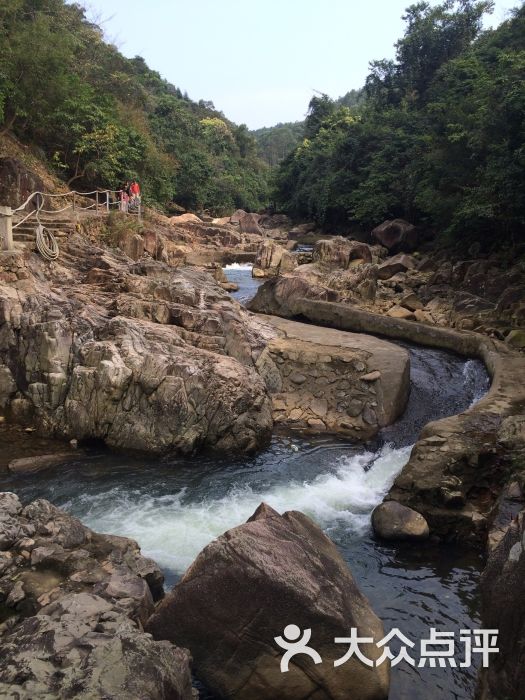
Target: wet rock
(502, 594)
(74, 603)
(246, 587)
(393, 521)
(25, 465)
(316, 374)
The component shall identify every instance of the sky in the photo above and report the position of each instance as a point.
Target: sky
(259, 61)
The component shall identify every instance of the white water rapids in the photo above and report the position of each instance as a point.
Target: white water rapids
(172, 528)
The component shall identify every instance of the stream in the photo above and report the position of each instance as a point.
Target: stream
(174, 506)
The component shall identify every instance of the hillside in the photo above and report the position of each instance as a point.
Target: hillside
(99, 118)
(276, 142)
(439, 138)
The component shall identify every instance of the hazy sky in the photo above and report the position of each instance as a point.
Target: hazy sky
(259, 61)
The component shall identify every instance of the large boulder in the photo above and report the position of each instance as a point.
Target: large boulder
(246, 587)
(396, 235)
(395, 264)
(300, 230)
(17, 182)
(268, 259)
(340, 252)
(273, 259)
(321, 379)
(249, 223)
(393, 521)
(502, 595)
(138, 355)
(73, 607)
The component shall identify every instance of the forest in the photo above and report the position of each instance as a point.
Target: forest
(438, 137)
(99, 118)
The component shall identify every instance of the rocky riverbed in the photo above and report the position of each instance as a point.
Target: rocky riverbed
(131, 341)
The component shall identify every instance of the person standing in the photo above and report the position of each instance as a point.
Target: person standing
(124, 201)
(135, 190)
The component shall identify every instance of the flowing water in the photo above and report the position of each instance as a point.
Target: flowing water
(241, 274)
(175, 506)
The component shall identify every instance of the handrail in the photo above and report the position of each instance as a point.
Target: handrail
(40, 196)
(65, 194)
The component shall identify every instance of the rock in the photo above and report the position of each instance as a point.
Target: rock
(186, 219)
(9, 504)
(277, 295)
(237, 216)
(17, 182)
(371, 376)
(399, 312)
(396, 235)
(268, 259)
(393, 521)
(246, 587)
(74, 603)
(301, 230)
(398, 263)
(340, 252)
(143, 356)
(411, 302)
(249, 223)
(316, 424)
(132, 246)
(316, 374)
(516, 339)
(81, 647)
(502, 593)
(29, 465)
(275, 221)
(422, 316)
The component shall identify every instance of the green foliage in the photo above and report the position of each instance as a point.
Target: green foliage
(439, 137)
(276, 142)
(102, 118)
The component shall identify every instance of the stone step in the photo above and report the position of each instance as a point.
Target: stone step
(47, 223)
(31, 236)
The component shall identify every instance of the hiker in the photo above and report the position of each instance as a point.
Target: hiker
(134, 191)
(124, 200)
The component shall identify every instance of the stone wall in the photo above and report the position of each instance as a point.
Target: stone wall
(322, 380)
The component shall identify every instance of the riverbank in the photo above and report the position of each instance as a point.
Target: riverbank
(456, 473)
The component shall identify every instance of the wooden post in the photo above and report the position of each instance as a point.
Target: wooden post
(96, 201)
(74, 200)
(107, 200)
(6, 228)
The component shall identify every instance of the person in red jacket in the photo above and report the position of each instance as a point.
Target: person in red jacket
(134, 190)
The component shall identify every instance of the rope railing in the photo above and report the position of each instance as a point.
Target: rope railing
(45, 240)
